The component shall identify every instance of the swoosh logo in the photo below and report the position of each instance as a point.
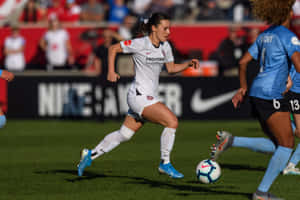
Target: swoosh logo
(200, 105)
(205, 166)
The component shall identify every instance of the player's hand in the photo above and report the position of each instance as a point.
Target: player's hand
(194, 63)
(238, 97)
(6, 75)
(113, 77)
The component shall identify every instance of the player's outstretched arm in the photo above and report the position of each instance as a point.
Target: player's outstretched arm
(112, 76)
(174, 68)
(6, 75)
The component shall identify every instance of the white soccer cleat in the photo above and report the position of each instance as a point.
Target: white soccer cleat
(291, 171)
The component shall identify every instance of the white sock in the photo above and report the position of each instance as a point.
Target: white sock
(291, 165)
(111, 141)
(166, 144)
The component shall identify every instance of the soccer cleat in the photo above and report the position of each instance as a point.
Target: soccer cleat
(85, 161)
(224, 142)
(291, 171)
(170, 170)
(265, 196)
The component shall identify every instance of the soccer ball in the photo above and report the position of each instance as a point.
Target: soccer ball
(208, 171)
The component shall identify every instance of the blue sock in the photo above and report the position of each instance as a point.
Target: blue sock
(255, 144)
(296, 156)
(2, 121)
(276, 165)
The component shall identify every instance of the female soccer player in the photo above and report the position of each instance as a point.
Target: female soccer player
(276, 48)
(150, 53)
(8, 76)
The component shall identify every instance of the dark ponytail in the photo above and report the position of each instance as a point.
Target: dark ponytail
(145, 27)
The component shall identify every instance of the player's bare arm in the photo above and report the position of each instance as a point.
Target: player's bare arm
(6, 75)
(239, 96)
(296, 60)
(112, 76)
(174, 68)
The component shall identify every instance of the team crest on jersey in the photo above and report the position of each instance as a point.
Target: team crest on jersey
(150, 98)
(127, 42)
(295, 41)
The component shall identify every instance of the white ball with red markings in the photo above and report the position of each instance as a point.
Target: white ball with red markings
(208, 171)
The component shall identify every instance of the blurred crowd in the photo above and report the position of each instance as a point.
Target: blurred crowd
(55, 51)
(114, 11)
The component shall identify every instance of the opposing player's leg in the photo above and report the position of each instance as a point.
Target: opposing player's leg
(161, 114)
(2, 119)
(291, 166)
(225, 140)
(110, 141)
(279, 125)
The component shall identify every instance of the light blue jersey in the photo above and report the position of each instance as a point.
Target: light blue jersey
(273, 48)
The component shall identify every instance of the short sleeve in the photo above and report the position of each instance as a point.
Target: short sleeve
(168, 53)
(253, 50)
(130, 46)
(292, 44)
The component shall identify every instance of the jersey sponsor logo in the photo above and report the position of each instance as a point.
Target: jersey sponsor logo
(150, 60)
(127, 42)
(295, 41)
(148, 53)
(200, 105)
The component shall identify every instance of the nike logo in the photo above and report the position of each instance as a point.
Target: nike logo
(205, 166)
(200, 105)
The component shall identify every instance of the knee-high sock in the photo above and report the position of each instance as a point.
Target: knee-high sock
(111, 141)
(255, 144)
(166, 144)
(276, 165)
(296, 156)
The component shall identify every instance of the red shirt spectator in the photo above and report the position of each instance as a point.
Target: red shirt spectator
(71, 12)
(56, 10)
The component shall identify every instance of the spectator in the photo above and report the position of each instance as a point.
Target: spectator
(92, 11)
(211, 12)
(296, 9)
(126, 28)
(230, 51)
(163, 6)
(71, 12)
(99, 65)
(56, 10)
(14, 51)
(31, 13)
(56, 44)
(117, 11)
(139, 7)
(253, 66)
(241, 11)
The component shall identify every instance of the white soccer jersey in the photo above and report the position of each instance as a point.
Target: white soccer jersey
(14, 61)
(148, 62)
(56, 51)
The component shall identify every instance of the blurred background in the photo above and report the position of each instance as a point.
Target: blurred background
(58, 51)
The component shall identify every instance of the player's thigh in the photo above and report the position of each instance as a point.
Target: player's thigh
(132, 123)
(279, 124)
(161, 114)
(297, 122)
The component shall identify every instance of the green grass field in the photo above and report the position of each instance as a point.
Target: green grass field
(38, 162)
